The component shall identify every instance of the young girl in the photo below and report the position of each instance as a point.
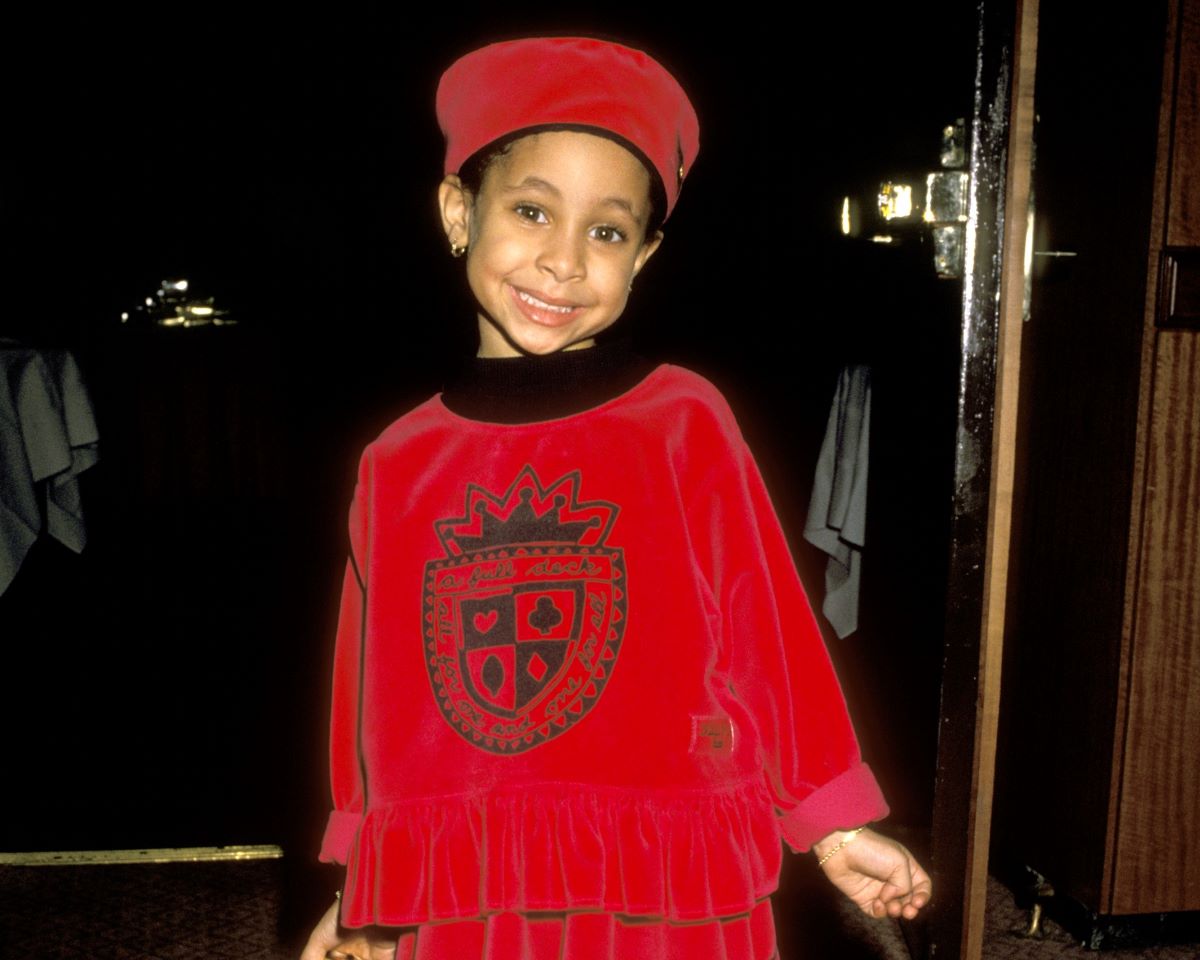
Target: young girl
(579, 695)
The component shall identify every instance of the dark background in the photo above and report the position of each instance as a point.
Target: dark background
(169, 687)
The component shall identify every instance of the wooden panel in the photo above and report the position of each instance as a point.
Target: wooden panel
(1004, 446)
(1158, 735)
(1150, 309)
(1074, 467)
(1158, 834)
(1183, 223)
(954, 805)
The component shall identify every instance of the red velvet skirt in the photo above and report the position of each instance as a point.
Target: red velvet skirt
(592, 936)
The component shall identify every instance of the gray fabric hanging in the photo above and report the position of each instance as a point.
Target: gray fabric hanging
(47, 438)
(837, 512)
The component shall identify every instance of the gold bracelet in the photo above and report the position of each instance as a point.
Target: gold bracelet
(853, 834)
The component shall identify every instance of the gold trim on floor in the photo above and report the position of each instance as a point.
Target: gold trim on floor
(75, 858)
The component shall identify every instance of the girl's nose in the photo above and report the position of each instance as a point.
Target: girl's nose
(563, 257)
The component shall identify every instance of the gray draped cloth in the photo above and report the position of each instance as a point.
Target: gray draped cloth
(837, 512)
(48, 438)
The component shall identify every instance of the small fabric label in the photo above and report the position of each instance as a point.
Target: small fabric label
(712, 734)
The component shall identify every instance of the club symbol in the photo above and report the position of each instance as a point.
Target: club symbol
(545, 616)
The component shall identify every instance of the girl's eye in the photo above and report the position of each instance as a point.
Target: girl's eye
(528, 211)
(608, 234)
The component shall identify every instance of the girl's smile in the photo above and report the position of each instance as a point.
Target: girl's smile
(554, 238)
(547, 312)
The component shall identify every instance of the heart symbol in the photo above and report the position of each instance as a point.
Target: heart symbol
(485, 621)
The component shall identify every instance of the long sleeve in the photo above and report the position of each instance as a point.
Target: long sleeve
(346, 769)
(779, 667)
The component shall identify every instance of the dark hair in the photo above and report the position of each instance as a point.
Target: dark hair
(475, 167)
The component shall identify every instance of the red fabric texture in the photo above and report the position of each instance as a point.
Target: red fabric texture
(715, 727)
(507, 87)
(592, 936)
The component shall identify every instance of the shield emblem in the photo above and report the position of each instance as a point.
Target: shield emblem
(521, 638)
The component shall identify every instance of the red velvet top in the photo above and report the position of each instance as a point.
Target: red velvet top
(576, 670)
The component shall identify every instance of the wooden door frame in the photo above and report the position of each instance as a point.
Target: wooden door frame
(994, 306)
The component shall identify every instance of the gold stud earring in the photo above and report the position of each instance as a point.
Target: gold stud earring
(456, 251)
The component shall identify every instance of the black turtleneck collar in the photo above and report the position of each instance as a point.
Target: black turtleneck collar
(530, 388)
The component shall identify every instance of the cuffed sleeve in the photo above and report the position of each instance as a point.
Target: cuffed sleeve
(340, 831)
(848, 800)
(345, 760)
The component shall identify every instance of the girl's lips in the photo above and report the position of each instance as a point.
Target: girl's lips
(551, 312)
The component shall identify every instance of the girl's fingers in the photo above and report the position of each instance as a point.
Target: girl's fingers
(922, 885)
(363, 948)
(324, 936)
(381, 950)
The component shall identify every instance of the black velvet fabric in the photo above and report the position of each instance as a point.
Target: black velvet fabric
(530, 388)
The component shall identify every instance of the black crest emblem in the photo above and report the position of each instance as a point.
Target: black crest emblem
(524, 614)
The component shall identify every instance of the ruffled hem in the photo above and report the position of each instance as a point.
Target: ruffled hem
(591, 936)
(676, 856)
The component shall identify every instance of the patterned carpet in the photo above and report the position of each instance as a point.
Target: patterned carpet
(174, 911)
(189, 911)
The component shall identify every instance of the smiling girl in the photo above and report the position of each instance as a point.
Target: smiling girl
(556, 236)
(579, 695)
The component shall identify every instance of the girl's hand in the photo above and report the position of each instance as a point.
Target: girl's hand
(877, 873)
(326, 940)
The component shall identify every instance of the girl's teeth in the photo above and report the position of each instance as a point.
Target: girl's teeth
(542, 304)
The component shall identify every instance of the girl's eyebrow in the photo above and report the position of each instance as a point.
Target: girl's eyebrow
(623, 204)
(536, 183)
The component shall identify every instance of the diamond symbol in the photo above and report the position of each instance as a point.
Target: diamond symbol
(537, 667)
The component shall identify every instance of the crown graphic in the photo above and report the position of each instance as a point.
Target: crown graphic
(527, 514)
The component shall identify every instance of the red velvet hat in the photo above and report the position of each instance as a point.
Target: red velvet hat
(572, 81)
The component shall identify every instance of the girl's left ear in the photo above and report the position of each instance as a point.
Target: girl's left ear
(649, 246)
(454, 203)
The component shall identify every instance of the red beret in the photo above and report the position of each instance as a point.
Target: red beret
(526, 84)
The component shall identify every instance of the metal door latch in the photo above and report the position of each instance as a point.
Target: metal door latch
(905, 206)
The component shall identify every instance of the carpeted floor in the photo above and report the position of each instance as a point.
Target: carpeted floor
(189, 911)
(174, 911)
